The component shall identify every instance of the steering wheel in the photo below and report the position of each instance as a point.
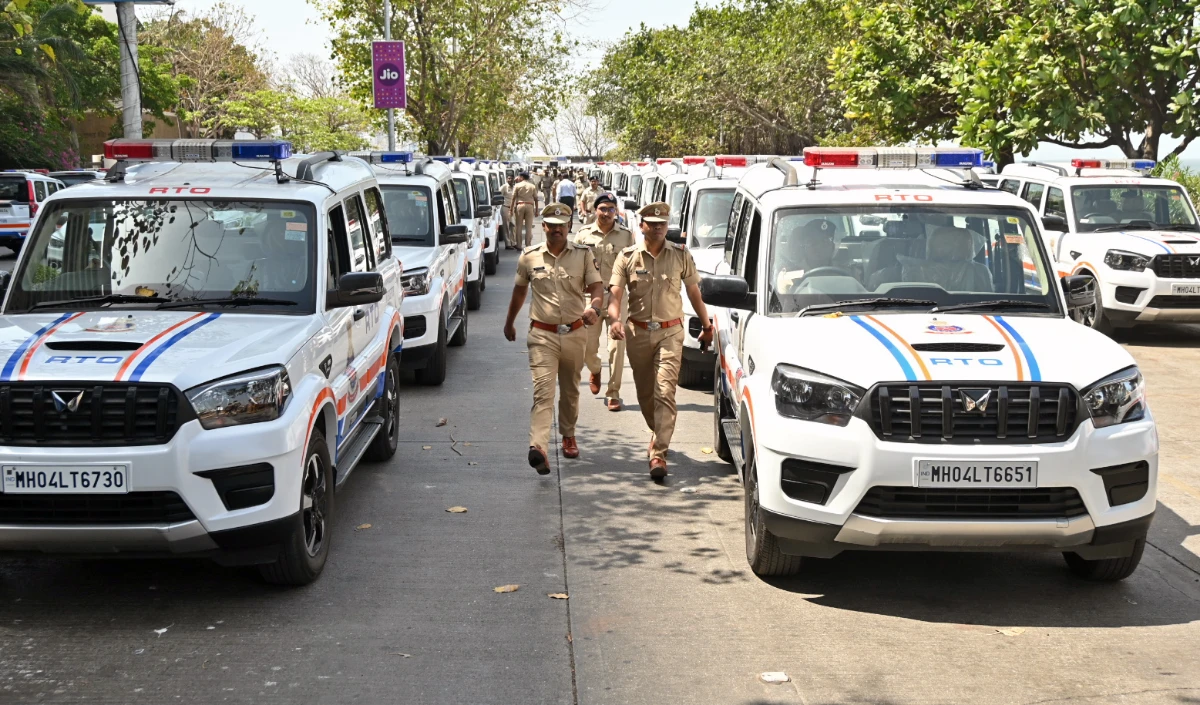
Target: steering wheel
(1093, 215)
(823, 271)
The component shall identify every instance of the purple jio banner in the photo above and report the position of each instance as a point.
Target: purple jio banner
(387, 64)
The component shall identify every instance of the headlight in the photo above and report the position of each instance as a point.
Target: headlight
(801, 394)
(1117, 399)
(415, 283)
(246, 398)
(1129, 261)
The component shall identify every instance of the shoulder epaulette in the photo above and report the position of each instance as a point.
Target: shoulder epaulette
(630, 249)
(529, 249)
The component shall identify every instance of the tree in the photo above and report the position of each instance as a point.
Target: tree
(585, 129)
(311, 124)
(479, 73)
(312, 76)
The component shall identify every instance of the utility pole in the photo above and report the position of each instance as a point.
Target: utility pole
(131, 94)
(387, 35)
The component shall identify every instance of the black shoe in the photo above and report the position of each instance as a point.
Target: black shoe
(538, 461)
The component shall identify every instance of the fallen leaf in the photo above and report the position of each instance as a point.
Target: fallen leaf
(441, 421)
(457, 510)
(507, 588)
(774, 677)
(426, 447)
(706, 451)
(557, 595)
(467, 444)
(1014, 631)
(362, 527)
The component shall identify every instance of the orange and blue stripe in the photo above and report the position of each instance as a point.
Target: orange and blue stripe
(171, 342)
(32, 343)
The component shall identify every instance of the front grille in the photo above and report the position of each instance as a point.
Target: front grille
(937, 413)
(74, 509)
(1169, 301)
(107, 414)
(1177, 266)
(971, 503)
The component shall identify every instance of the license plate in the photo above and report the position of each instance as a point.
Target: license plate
(956, 473)
(1185, 289)
(65, 479)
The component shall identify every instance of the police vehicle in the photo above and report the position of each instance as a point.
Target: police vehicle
(199, 380)
(22, 193)
(1136, 237)
(485, 205)
(473, 214)
(431, 243)
(890, 376)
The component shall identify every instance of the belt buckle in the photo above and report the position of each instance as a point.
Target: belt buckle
(564, 328)
(653, 325)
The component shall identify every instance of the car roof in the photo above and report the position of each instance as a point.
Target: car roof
(1066, 175)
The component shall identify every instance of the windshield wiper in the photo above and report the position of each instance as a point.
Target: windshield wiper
(106, 300)
(1121, 226)
(1176, 226)
(871, 303)
(229, 301)
(408, 239)
(992, 303)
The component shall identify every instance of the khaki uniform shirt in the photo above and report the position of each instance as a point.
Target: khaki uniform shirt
(588, 196)
(524, 192)
(654, 283)
(605, 247)
(507, 192)
(558, 283)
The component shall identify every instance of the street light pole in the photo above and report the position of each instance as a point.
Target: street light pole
(131, 95)
(387, 35)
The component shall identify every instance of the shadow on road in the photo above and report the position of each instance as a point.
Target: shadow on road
(1162, 335)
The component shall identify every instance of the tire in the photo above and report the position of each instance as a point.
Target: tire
(434, 373)
(692, 375)
(475, 295)
(303, 556)
(460, 336)
(1093, 316)
(762, 548)
(384, 445)
(489, 267)
(720, 443)
(1106, 569)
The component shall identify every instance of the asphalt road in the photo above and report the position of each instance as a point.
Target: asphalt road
(662, 607)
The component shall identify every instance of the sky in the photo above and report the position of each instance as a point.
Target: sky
(294, 26)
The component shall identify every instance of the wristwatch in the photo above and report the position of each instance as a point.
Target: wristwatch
(598, 311)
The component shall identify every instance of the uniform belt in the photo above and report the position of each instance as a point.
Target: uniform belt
(561, 329)
(526, 203)
(655, 325)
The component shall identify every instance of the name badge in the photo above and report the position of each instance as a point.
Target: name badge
(540, 269)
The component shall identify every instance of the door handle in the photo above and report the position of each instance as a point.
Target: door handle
(359, 314)
(733, 316)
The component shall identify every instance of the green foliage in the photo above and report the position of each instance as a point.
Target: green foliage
(1170, 168)
(311, 124)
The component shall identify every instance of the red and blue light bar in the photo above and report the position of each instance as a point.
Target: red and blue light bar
(443, 159)
(1136, 164)
(694, 159)
(663, 160)
(741, 159)
(197, 150)
(389, 157)
(893, 157)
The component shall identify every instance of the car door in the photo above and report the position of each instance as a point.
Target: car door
(1056, 204)
(337, 353)
(745, 265)
(366, 336)
(456, 272)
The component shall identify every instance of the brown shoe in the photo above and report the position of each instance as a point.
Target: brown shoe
(570, 450)
(614, 404)
(538, 461)
(658, 468)
(594, 383)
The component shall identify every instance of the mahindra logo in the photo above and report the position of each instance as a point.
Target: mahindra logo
(1194, 261)
(975, 401)
(67, 399)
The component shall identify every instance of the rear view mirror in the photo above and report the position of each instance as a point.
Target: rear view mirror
(5, 280)
(1079, 290)
(483, 211)
(454, 234)
(726, 291)
(630, 205)
(675, 235)
(621, 194)
(357, 289)
(497, 200)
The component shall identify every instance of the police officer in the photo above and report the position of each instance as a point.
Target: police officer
(524, 203)
(587, 211)
(653, 271)
(607, 238)
(510, 237)
(560, 273)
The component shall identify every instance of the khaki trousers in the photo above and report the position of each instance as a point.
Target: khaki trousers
(655, 357)
(616, 352)
(524, 227)
(554, 358)
(506, 219)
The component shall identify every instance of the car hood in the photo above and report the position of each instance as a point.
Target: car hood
(1147, 242)
(183, 348)
(889, 347)
(414, 257)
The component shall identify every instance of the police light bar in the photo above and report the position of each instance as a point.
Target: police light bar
(624, 163)
(1137, 164)
(444, 160)
(694, 159)
(197, 150)
(389, 157)
(600, 163)
(468, 160)
(643, 163)
(893, 158)
(663, 160)
(741, 159)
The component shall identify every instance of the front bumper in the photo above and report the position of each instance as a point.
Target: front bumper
(1143, 297)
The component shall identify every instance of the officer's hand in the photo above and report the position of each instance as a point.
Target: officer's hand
(590, 317)
(510, 332)
(617, 332)
(706, 338)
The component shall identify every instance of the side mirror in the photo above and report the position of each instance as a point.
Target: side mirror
(1056, 223)
(455, 234)
(726, 291)
(630, 205)
(483, 212)
(1079, 290)
(357, 289)
(621, 194)
(5, 280)
(497, 200)
(675, 235)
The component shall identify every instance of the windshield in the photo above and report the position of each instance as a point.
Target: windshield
(463, 196)
(14, 188)
(180, 249)
(711, 221)
(1146, 206)
(949, 255)
(410, 219)
(675, 200)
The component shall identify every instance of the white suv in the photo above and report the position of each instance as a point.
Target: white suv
(890, 378)
(22, 193)
(431, 244)
(1134, 236)
(202, 377)
(472, 214)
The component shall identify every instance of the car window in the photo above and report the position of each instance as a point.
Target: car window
(339, 250)
(360, 254)
(14, 188)
(1056, 202)
(731, 229)
(39, 188)
(739, 238)
(1033, 193)
(1010, 185)
(675, 200)
(750, 267)
(1133, 206)
(379, 224)
(462, 194)
(482, 197)
(711, 220)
